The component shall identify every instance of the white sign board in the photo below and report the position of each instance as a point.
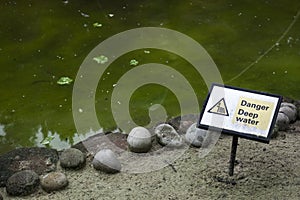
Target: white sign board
(241, 112)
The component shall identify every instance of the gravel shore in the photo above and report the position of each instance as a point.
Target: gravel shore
(263, 171)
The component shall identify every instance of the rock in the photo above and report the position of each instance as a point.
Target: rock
(275, 131)
(72, 158)
(282, 121)
(289, 112)
(40, 160)
(139, 140)
(22, 183)
(297, 103)
(1, 197)
(167, 136)
(106, 161)
(116, 141)
(290, 105)
(195, 136)
(182, 123)
(54, 181)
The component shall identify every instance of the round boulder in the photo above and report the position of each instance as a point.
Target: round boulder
(106, 161)
(22, 183)
(289, 112)
(167, 136)
(72, 158)
(195, 136)
(290, 105)
(297, 104)
(282, 121)
(139, 140)
(54, 181)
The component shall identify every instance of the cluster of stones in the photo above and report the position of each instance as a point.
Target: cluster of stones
(288, 113)
(26, 179)
(26, 182)
(140, 139)
(28, 176)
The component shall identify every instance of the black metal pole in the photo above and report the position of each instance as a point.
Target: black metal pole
(233, 154)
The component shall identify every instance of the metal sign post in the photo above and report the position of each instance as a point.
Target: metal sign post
(233, 154)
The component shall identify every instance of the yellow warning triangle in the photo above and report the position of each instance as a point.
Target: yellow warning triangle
(219, 108)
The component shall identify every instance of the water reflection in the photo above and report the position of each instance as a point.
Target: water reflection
(2, 132)
(55, 140)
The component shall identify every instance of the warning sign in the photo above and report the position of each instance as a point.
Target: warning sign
(219, 108)
(245, 113)
(252, 112)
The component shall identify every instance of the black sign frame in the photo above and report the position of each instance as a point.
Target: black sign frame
(235, 133)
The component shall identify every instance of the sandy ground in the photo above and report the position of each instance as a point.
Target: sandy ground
(263, 171)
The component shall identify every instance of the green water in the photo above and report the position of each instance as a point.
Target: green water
(43, 41)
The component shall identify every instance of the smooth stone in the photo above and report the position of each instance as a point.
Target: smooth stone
(54, 181)
(275, 131)
(72, 158)
(22, 183)
(106, 161)
(297, 103)
(290, 105)
(282, 121)
(139, 140)
(167, 136)
(39, 159)
(182, 123)
(289, 112)
(195, 136)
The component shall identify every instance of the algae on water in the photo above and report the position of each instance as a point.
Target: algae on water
(64, 80)
(101, 59)
(133, 62)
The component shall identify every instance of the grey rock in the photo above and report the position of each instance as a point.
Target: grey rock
(282, 121)
(167, 136)
(40, 160)
(182, 123)
(139, 140)
(72, 158)
(106, 161)
(195, 136)
(290, 105)
(99, 141)
(297, 103)
(275, 131)
(22, 183)
(54, 181)
(289, 112)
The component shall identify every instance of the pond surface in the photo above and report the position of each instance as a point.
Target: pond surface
(255, 44)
